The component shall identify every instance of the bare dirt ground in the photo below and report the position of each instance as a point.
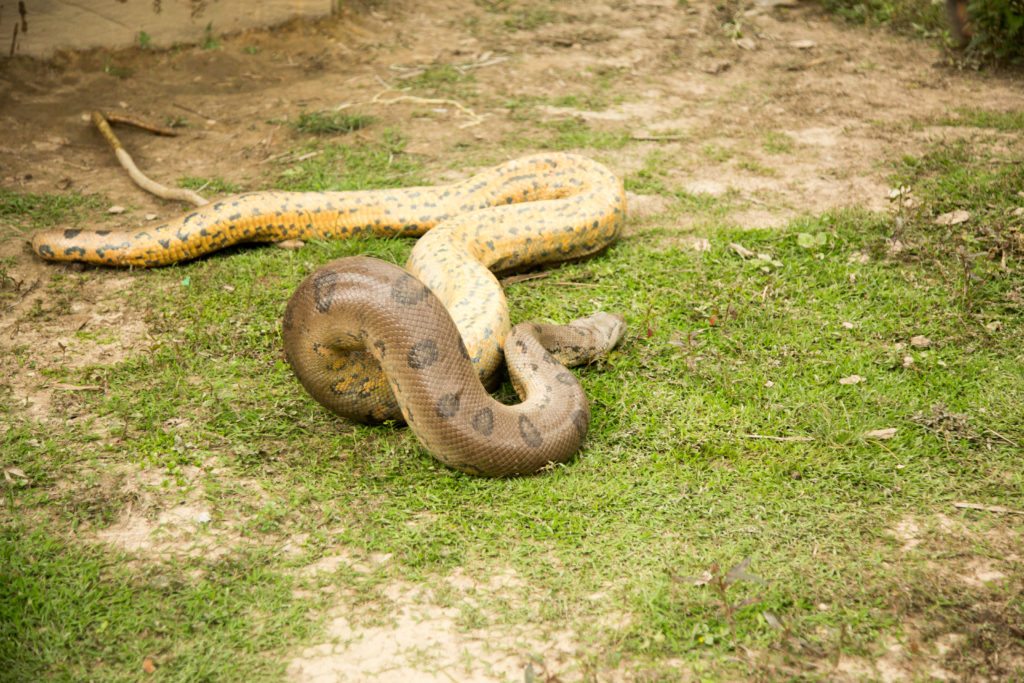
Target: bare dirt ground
(849, 101)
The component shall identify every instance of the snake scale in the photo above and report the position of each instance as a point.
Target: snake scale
(374, 342)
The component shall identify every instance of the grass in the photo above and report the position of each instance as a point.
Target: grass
(985, 118)
(213, 186)
(45, 210)
(721, 432)
(569, 134)
(366, 166)
(331, 122)
(444, 80)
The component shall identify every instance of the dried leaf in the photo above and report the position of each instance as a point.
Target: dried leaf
(920, 341)
(802, 44)
(772, 620)
(741, 250)
(702, 580)
(11, 472)
(953, 218)
(148, 665)
(739, 573)
(852, 379)
(886, 433)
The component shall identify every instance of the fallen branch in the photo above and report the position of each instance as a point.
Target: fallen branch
(988, 508)
(140, 179)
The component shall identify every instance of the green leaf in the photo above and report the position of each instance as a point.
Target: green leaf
(812, 241)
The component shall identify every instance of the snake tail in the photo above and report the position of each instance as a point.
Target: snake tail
(376, 311)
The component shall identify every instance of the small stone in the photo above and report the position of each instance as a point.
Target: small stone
(847, 325)
(151, 216)
(291, 245)
(1019, 211)
(908, 362)
(117, 208)
(802, 44)
(746, 44)
(852, 379)
(920, 341)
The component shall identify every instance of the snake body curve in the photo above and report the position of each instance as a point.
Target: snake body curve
(365, 305)
(530, 211)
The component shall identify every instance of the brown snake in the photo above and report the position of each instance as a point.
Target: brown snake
(535, 210)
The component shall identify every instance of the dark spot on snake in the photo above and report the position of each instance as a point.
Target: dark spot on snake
(234, 216)
(423, 354)
(70, 234)
(565, 378)
(463, 351)
(380, 346)
(483, 421)
(102, 233)
(521, 345)
(324, 284)
(530, 433)
(408, 291)
(166, 244)
(73, 251)
(534, 367)
(45, 250)
(581, 420)
(548, 358)
(448, 405)
(470, 469)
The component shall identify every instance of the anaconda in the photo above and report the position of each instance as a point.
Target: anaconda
(527, 212)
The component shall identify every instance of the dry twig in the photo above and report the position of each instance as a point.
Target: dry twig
(143, 181)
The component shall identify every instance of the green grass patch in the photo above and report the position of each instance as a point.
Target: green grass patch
(331, 122)
(70, 611)
(985, 118)
(721, 432)
(775, 142)
(571, 134)
(905, 16)
(444, 79)
(209, 185)
(45, 210)
(369, 165)
(531, 18)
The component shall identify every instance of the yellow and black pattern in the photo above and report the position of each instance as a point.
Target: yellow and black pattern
(539, 209)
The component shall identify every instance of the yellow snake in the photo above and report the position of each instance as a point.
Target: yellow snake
(530, 211)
